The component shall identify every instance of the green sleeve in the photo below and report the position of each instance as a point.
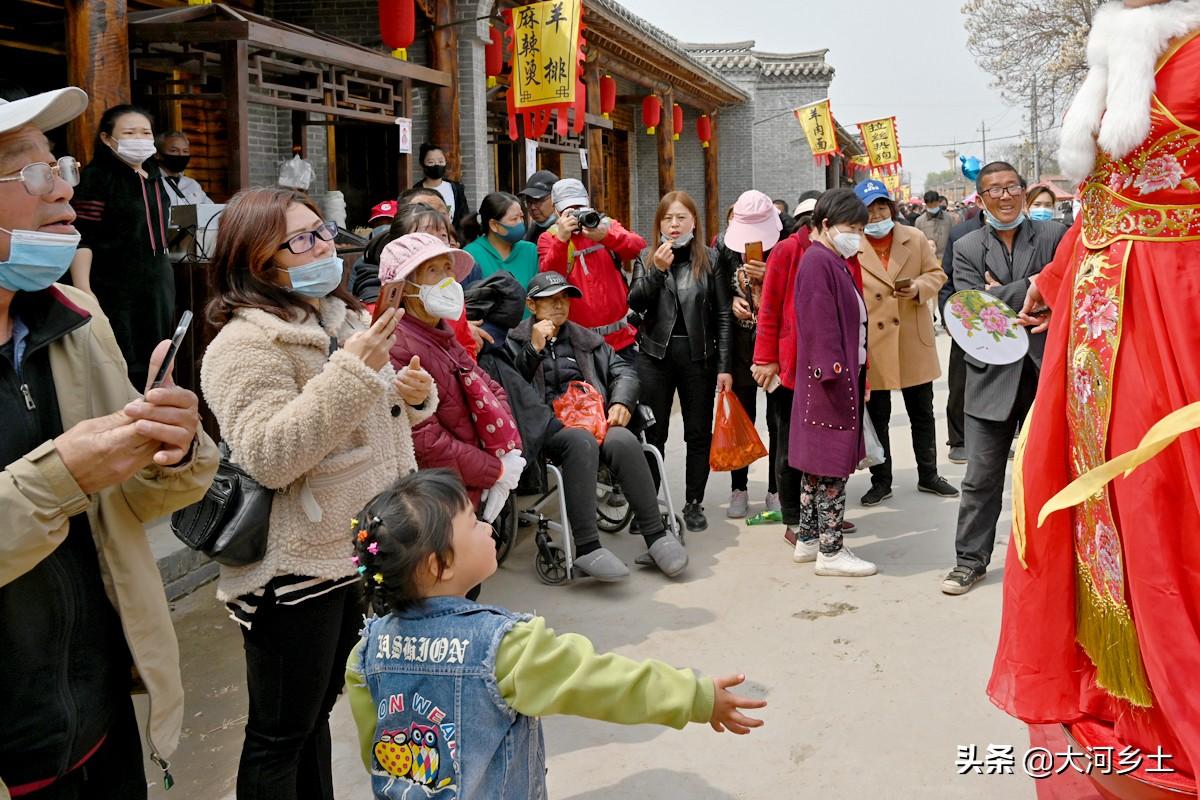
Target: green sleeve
(539, 674)
(362, 707)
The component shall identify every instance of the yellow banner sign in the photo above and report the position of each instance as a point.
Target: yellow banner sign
(883, 146)
(545, 53)
(817, 121)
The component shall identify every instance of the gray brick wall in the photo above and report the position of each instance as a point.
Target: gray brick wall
(270, 142)
(738, 168)
(784, 165)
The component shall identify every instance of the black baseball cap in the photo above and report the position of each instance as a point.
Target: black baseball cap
(539, 184)
(548, 284)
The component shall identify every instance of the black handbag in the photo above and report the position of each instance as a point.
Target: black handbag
(230, 523)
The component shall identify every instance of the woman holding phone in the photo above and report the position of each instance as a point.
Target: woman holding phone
(684, 339)
(901, 275)
(310, 406)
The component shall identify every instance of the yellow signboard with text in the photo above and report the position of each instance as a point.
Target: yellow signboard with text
(545, 53)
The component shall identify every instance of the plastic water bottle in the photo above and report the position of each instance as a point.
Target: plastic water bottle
(765, 518)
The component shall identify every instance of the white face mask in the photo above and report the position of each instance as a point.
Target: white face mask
(135, 151)
(846, 243)
(444, 299)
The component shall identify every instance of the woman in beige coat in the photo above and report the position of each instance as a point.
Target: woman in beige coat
(310, 405)
(900, 276)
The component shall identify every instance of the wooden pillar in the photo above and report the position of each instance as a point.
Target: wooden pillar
(443, 55)
(596, 183)
(712, 183)
(235, 83)
(405, 161)
(98, 63)
(666, 145)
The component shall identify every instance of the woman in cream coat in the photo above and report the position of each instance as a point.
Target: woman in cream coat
(310, 405)
(900, 276)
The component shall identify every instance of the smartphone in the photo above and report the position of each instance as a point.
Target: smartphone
(754, 251)
(181, 330)
(773, 384)
(390, 296)
(903, 283)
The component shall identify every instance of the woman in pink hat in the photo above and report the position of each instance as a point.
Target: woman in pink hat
(473, 430)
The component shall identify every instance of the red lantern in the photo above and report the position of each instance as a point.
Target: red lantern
(608, 95)
(704, 129)
(677, 119)
(651, 113)
(494, 56)
(398, 24)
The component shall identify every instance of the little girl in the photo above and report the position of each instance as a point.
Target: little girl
(447, 693)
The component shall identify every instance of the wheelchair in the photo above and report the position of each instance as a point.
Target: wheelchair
(555, 560)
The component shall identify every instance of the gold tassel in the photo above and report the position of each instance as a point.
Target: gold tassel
(1018, 489)
(1107, 635)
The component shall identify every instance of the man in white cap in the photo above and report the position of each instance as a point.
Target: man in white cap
(590, 249)
(81, 600)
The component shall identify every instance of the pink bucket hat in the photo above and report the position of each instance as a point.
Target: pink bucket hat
(404, 255)
(755, 219)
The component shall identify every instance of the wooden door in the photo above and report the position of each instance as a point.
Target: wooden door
(617, 176)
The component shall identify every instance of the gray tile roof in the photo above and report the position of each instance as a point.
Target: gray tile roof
(730, 57)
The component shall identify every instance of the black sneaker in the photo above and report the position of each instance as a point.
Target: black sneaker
(939, 486)
(876, 495)
(961, 579)
(693, 517)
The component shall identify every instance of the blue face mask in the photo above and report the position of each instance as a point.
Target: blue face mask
(550, 220)
(935, 210)
(1000, 226)
(878, 230)
(317, 279)
(512, 233)
(36, 259)
(1041, 214)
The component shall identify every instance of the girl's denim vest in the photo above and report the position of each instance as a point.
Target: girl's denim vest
(443, 730)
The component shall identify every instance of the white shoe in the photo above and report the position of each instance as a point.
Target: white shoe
(806, 552)
(844, 564)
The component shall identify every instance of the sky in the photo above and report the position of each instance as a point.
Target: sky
(942, 96)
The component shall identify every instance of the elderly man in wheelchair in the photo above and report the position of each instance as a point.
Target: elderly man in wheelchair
(551, 352)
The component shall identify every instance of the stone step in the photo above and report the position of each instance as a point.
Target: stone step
(183, 570)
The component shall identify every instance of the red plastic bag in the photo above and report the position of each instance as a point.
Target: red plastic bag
(735, 442)
(582, 406)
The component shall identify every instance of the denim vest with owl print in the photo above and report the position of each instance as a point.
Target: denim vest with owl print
(443, 731)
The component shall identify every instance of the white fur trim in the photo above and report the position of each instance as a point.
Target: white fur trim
(1112, 109)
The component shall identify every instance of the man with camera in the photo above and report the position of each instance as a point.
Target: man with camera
(589, 249)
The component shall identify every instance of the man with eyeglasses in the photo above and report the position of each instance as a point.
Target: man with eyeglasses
(81, 599)
(999, 258)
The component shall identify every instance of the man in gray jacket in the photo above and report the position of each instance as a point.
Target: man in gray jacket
(999, 258)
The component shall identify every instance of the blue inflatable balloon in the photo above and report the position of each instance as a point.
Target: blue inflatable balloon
(970, 167)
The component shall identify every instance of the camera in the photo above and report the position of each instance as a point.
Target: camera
(588, 218)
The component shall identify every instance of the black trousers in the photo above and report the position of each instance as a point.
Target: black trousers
(114, 771)
(696, 384)
(918, 402)
(789, 479)
(295, 669)
(739, 479)
(578, 455)
(957, 378)
(988, 443)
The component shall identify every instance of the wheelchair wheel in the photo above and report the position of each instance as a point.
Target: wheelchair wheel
(504, 529)
(613, 519)
(551, 565)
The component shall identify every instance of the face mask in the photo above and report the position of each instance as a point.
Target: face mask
(1041, 214)
(878, 230)
(135, 151)
(512, 233)
(317, 279)
(683, 241)
(36, 259)
(845, 243)
(443, 300)
(550, 220)
(935, 211)
(435, 172)
(174, 163)
(1000, 226)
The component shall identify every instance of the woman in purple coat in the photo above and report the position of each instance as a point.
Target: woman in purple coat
(826, 441)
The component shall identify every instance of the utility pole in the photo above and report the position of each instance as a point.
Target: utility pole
(1033, 123)
(983, 133)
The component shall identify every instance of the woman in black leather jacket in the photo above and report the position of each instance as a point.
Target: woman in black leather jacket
(684, 340)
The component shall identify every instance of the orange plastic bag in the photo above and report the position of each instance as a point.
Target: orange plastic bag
(735, 442)
(582, 406)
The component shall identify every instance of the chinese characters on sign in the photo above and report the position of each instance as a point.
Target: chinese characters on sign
(1041, 762)
(820, 129)
(545, 53)
(883, 146)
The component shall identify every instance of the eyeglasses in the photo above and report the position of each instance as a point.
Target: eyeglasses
(996, 192)
(38, 177)
(301, 243)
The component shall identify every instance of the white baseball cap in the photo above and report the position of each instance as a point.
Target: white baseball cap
(45, 111)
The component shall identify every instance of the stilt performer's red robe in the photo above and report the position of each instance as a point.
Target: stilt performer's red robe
(1102, 597)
